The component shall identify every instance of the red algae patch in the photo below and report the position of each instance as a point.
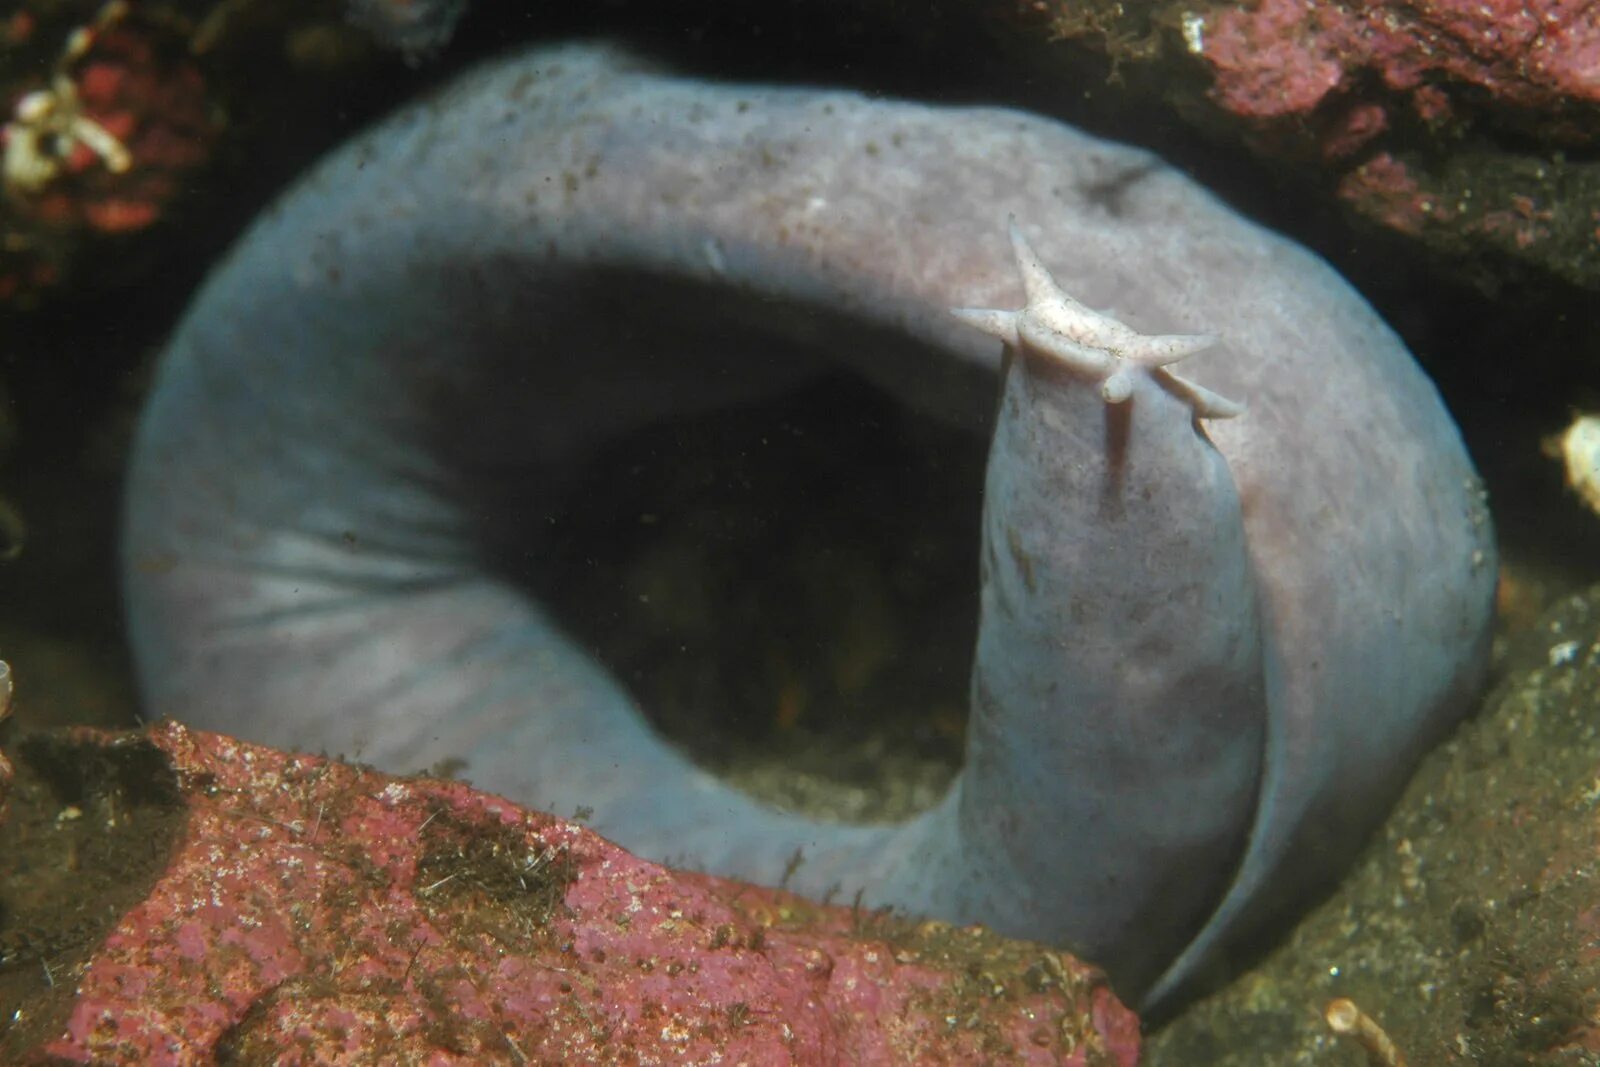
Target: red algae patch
(315, 911)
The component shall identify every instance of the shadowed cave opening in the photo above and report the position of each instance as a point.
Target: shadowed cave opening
(789, 590)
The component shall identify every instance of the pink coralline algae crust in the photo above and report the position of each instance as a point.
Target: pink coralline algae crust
(1283, 57)
(1389, 194)
(316, 912)
(1525, 210)
(1388, 91)
(1468, 126)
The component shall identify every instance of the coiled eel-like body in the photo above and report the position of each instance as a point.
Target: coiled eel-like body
(1210, 651)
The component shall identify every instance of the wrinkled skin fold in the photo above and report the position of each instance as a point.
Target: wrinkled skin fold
(1210, 652)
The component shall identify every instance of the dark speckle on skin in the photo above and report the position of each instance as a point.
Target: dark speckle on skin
(1110, 192)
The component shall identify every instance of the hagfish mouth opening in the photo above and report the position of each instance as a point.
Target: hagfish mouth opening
(787, 587)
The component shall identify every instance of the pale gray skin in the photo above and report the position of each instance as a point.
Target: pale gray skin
(1209, 654)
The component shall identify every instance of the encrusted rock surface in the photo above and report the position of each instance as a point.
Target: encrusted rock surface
(312, 911)
(1278, 57)
(1468, 125)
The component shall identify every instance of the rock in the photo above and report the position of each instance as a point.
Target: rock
(1424, 114)
(1471, 928)
(1280, 57)
(1464, 126)
(313, 910)
(6, 772)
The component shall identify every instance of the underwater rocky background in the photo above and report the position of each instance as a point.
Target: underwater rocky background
(1471, 926)
(1439, 157)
